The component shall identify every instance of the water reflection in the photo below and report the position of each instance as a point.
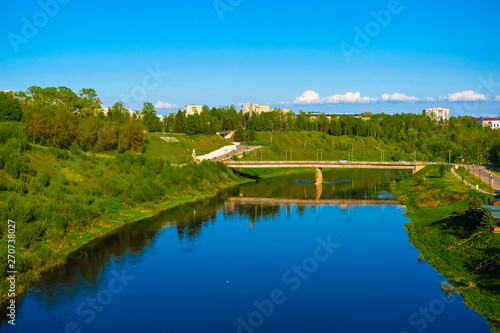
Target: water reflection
(246, 201)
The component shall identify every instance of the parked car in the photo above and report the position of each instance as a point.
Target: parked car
(248, 147)
(402, 161)
(343, 161)
(432, 163)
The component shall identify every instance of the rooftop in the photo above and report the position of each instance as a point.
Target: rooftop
(495, 210)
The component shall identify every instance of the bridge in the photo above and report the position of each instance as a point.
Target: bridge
(319, 165)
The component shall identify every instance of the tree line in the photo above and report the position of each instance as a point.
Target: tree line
(60, 117)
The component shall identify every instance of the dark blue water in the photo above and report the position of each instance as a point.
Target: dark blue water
(218, 266)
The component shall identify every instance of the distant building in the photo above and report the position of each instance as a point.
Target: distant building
(191, 109)
(438, 113)
(491, 122)
(255, 108)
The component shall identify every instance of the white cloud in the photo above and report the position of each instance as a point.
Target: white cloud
(312, 97)
(396, 97)
(308, 97)
(430, 99)
(164, 105)
(464, 96)
(497, 98)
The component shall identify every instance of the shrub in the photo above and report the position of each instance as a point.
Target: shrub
(16, 164)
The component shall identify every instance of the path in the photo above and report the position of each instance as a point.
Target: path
(485, 174)
(466, 182)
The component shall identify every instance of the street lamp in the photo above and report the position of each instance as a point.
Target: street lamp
(490, 178)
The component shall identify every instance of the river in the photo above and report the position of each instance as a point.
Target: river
(280, 255)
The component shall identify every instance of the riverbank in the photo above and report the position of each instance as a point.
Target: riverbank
(437, 204)
(52, 252)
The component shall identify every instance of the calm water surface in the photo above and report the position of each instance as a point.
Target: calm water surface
(278, 256)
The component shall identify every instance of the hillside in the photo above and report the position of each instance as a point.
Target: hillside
(180, 152)
(309, 146)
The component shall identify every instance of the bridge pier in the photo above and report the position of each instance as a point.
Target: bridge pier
(319, 176)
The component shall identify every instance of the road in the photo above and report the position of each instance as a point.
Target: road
(484, 172)
(240, 149)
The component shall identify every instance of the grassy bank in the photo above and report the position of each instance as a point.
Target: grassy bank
(63, 199)
(437, 204)
(310, 146)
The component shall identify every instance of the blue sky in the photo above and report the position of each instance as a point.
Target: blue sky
(350, 56)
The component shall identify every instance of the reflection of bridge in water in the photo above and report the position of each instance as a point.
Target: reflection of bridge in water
(260, 207)
(293, 201)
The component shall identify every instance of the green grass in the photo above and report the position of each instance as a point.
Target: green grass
(437, 204)
(277, 146)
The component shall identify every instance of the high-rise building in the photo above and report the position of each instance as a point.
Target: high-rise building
(191, 109)
(438, 113)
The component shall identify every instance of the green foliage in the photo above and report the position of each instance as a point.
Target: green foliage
(150, 118)
(487, 221)
(10, 108)
(16, 164)
(239, 134)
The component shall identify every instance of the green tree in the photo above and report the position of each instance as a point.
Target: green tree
(487, 221)
(180, 119)
(89, 104)
(119, 113)
(132, 136)
(150, 118)
(239, 134)
(10, 108)
(106, 137)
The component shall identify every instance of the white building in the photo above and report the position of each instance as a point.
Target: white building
(191, 109)
(491, 122)
(438, 113)
(255, 108)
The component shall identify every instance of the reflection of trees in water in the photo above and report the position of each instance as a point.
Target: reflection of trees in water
(131, 240)
(254, 212)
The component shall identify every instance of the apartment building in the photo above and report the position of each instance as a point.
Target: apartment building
(438, 113)
(491, 122)
(255, 108)
(191, 109)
